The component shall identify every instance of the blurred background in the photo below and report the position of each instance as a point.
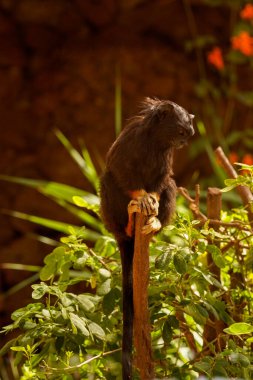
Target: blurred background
(83, 66)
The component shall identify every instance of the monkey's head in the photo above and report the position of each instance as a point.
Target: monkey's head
(170, 123)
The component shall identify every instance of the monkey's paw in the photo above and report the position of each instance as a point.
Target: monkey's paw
(152, 225)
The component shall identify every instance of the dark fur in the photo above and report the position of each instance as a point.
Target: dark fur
(141, 158)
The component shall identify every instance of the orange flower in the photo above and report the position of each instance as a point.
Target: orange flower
(247, 12)
(215, 58)
(248, 159)
(233, 157)
(243, 42)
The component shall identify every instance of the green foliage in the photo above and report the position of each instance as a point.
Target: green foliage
(244, 180)
(61, 331)
(84, 205)
(74, 324)
(73, 327)
(185, 296)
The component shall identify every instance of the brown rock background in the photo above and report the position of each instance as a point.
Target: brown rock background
(58, 63)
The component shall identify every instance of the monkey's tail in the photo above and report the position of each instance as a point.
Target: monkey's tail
(127, 252)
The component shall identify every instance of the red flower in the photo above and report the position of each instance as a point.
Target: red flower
(215, 57)
(243, 42)
(247, 12)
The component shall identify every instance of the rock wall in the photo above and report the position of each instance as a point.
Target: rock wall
(58, 63)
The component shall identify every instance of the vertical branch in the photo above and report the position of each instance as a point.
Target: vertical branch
(243, 191)
(142, 336)
(213, 331)
(213, 212)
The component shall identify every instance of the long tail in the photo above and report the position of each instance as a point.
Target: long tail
(127, 252)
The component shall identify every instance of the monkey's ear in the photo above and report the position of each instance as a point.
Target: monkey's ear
(192, 116)
(163, 111)
(160, 114)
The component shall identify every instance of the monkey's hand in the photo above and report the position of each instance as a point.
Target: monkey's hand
(147, 204)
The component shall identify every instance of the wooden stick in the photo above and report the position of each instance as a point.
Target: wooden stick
(142, 336)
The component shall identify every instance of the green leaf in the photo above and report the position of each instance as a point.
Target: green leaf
(104, 288)
(90, 170)
(173, 321)
(54, 225)
(241, 359)
(203, 366)
(179, 263)
(110, 300)
(7, 346)
(84, 163)
(18, 349)
(106, 246)
(162, 261)
(96, 330)
(194, 311)
(239, 328)
(39, 290)
(79, 323)
(52, 261)
(85, 303)
(54, 189)
(217, 257)
(36, 358)
(219, 368)
(167, 333)
(104, 273)
(80, 263)
(28, 325)
(82, 202)
(202, 311)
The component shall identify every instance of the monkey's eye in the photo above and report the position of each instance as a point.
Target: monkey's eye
(182, 132)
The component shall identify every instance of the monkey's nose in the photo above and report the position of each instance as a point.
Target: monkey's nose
(192, 131)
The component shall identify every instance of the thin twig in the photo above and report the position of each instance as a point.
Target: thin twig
(193, 203)
(99, 259)
(74, 368)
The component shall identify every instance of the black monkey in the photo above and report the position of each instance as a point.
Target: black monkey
(139, 173)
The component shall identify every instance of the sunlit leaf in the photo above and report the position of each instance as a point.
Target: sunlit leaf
(104, 288)
(96, 330)
(79, 323)
(54, 225)
(239, 328)
(217, 257)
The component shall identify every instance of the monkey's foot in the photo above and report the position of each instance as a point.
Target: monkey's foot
(133, 206)
(146, 204)
(152, 225)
